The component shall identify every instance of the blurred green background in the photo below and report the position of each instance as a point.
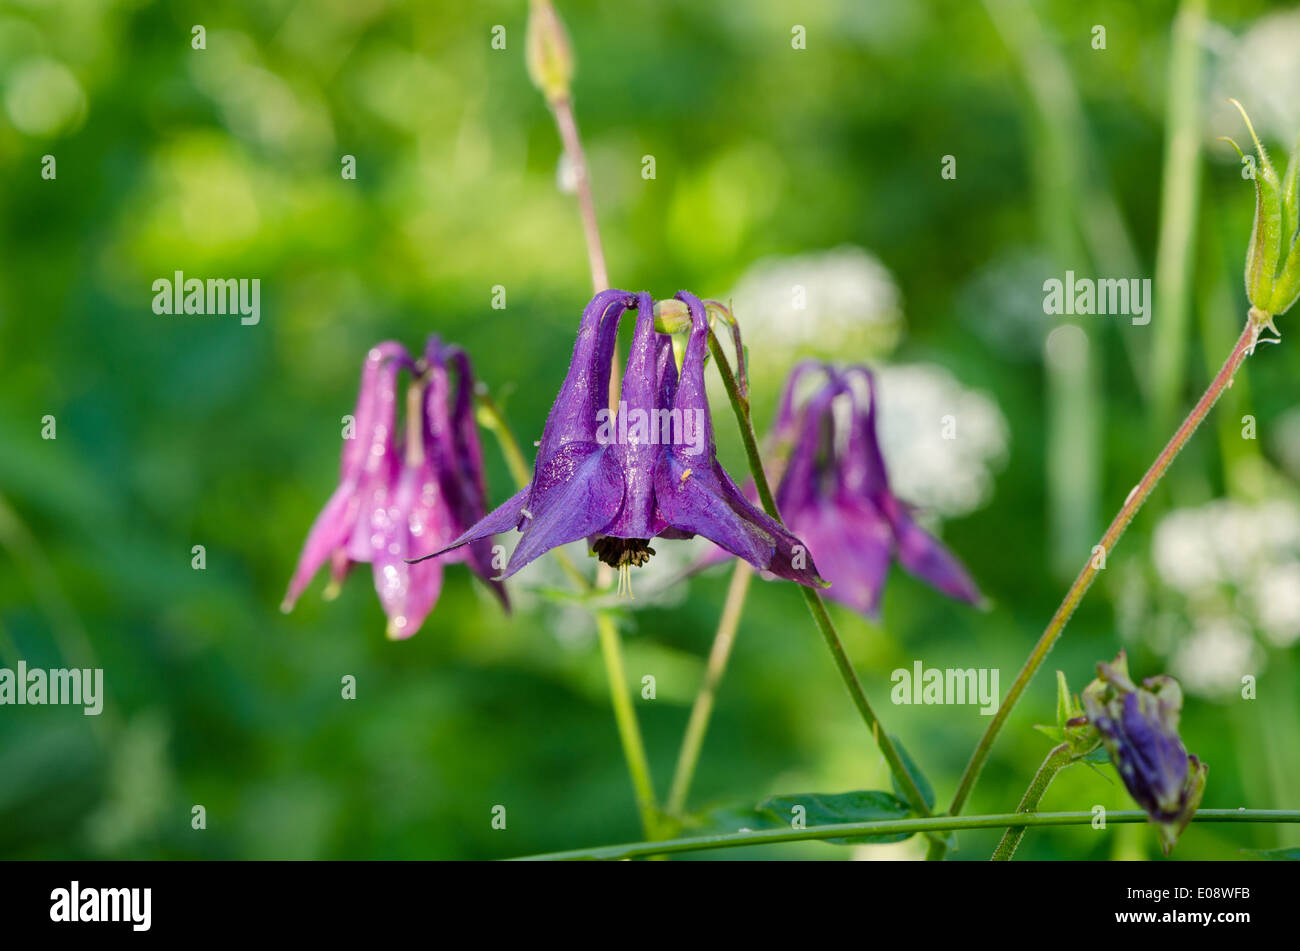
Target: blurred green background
(773, 167)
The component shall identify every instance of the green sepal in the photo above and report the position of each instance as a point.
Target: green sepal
(1266, 233)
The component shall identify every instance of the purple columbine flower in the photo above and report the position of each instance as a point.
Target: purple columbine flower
(1139, 728)
(834, 493)
(647, 470)
(403, 497)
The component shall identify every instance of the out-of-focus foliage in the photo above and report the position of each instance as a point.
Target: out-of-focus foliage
(176, 431)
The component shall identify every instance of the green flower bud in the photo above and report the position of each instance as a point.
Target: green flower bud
(1288, 284)
(672, 317)
(547, 52)
(1266, 235)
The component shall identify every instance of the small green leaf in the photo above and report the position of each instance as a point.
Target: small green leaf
(918, 777)
(1063, 708)
(823, 809)
(1099, 755)
(1054, 733)
(1291, 854)
(811, 810)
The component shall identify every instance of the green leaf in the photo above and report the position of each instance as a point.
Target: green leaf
(918, 777)
(812, 809)
(1291, 854)
(823, 809)
(1055, 733)
(1064, 709)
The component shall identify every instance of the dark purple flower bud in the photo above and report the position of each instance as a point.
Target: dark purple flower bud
(1139, 728)
(647, 470)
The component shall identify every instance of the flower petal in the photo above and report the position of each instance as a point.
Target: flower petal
(468, 501)
(585, 391)
(638, 431)
(695, 493)
(501, 519)
(853, 544)
(577, 493)
(377, 475)
(786, 423)
(328, 533)
(805, 479)
(338, 520)
(925, 556)
(407, 592)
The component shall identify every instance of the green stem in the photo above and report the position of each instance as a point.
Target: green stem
(740, 406)
(934, 824)
(611, 645)
(698, 724)
(1059, 758)
(629, 731)
(1244, 346)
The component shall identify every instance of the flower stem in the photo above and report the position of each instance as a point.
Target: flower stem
(491, 416)
(1245, 345)
(740, 406)
(932, 824)
(698, 724)
(611, 646)
(565, 121)
(1057, 760)
(629, 731)
(562, 108)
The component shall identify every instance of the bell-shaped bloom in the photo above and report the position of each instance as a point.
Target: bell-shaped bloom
(646, 470)
(834, 492)
(1139, 728)
(403, 494)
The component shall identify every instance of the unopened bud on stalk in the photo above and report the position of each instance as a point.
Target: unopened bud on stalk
(672, 317)
(1139, 727)
(547, 52)
(1273, 258)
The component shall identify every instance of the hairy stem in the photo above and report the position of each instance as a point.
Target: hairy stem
(1057, 760)
(568, 126)
(1245, 345)
(816, 607)
(698, 724)
(932, 824)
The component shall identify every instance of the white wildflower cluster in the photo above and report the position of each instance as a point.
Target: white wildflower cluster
(1261, 69)
(819, 304)
(943, 442)
(1236, 567)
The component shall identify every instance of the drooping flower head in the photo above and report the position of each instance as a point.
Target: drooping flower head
(646, 469)
(403, 494)
(1139, 728)
(834, 491)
